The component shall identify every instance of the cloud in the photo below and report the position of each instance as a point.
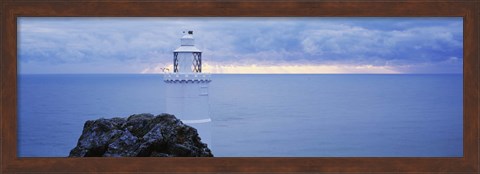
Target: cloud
(118, 44)
(357, 44)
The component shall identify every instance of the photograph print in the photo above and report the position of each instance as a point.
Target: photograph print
(240, 87)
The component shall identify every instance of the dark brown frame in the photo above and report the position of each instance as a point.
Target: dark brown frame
(10, 10)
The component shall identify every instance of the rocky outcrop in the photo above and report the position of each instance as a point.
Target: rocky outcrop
(140, 135)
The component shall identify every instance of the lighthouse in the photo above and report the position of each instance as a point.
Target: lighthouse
(187, 88)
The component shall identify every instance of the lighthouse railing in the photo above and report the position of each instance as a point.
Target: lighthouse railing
(187, 77)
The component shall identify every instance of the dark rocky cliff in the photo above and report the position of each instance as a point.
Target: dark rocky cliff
(140, 135)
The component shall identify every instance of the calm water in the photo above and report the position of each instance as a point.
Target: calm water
(262, 115)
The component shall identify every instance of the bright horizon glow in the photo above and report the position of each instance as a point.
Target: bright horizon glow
(284, 69)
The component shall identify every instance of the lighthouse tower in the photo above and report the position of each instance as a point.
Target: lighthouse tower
(187, 88)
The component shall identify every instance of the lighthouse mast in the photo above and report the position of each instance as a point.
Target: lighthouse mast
(187, 88)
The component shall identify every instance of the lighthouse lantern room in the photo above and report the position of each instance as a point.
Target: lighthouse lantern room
(185, 54)
(186, 88)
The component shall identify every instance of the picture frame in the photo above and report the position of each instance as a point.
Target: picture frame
(11, 10)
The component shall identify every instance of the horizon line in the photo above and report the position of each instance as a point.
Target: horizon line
(243, 73)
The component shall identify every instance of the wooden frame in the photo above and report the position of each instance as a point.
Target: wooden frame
(10, 10)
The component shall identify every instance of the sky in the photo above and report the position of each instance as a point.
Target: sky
(73, 45)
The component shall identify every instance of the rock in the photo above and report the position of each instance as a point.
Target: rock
(139, 135)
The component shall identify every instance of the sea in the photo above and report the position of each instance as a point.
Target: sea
(261, 115)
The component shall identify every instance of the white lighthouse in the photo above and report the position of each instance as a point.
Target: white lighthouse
(187, 88)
